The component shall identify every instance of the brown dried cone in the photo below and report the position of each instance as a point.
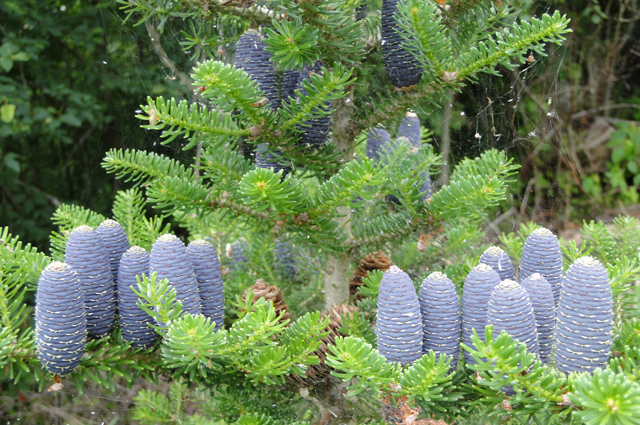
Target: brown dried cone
(319, 372)
(374, 261)
(262, 289)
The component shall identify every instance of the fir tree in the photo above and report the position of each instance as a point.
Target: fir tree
(330, 207)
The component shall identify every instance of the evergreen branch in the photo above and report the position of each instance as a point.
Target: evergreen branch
(346, 184)
(505, 362)
(224, 167)
(158, 299)
(185, 120)
(19, 265)
(512, 43)
(492, 163)
(375, 231)
(230, 88)
(596, 235)
(427, 378)
(311, 101)
(292, 46)
(129, 210)
(302, 338)
(172, 194)
(239, 208)
(68, 217)
(264, 189)
(142, 167)
(354, 358)
(607, 398)
(425, 37)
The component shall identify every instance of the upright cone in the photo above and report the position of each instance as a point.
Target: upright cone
(134, 322)
(499, 261)
(85, 253)
(115, 242)
(476, 292)
(541, 254)
(209, 276)
(440, 316)
(169, 259)
(584, 318)
(61, 321)
(541, 298)
(399, 322)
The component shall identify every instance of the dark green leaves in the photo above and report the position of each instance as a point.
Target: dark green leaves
(293, 44)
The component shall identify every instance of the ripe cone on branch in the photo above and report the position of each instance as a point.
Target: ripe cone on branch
(374, 261)
(115, 242)
(541, 254)
(499, 261)
(262, 289)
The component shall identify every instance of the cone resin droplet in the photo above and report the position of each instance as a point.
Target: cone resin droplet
(499, 261)
(440, 316)
(134, 322)
(541, 254)
(402, 68)
(399, 322)
(61, 322)
(584, 318)
(207, 268)
(476, 292)
(86, 255)
(169, 259)
(115, 242)
(541, 297)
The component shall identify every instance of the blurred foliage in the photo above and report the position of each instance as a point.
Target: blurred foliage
(71, 78)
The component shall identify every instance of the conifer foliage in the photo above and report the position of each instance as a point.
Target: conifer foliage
(277, 162)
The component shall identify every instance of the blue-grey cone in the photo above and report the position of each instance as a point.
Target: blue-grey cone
(402, 68)
(207, 268)
(399, 323)
(410, 129)
(61, 322)
(85, 253)
(169, 259)
(115, 242)
(378, 141)
(134, 322)
(285, 260)
(441, 321)
(266, 159)
(476, 292)
(584, 318)
(510, 310)
(499, 260)
(315, 131)
(239, 258)
(541, 298)
(425, 188)
(255, 61)
(289, 85)
(541, 254)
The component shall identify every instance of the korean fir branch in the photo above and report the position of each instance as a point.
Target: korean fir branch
(140, 167)
(424, 35)
(484, 185)
(511, 43)
(352, 180)
(189, 121)
(264, 190)
(504, 361)
(321, 89)
(293, 44)
(230, 88)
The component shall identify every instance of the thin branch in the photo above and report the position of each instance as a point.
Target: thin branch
(603, 108)
(154, 35)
